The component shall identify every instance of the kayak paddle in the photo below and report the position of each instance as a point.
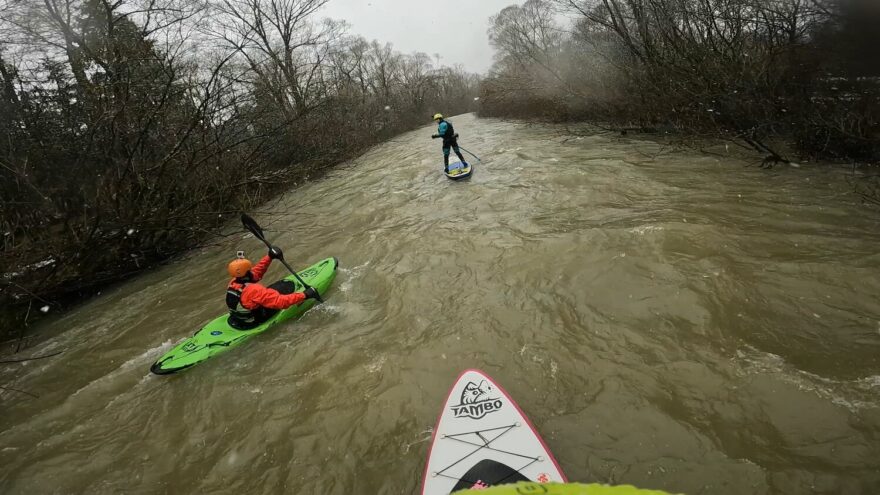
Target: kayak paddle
(250, 224)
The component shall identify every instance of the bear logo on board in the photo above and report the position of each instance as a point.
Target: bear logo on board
(476, 401)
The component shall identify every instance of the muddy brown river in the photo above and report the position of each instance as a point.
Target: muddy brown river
(667, 319)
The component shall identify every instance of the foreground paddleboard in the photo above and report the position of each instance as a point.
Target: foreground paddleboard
(483, 439)
(217, 336)
(459, 171)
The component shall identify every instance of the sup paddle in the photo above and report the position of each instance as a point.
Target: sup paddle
(466, 151)
(250, 224)
(469, 153)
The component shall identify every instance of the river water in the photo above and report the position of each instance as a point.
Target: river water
(666, 318)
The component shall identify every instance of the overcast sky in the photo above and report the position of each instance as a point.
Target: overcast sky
(456, 29)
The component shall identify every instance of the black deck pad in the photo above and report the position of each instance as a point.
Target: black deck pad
(488, 473)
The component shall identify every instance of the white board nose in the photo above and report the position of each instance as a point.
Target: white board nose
(482, 438)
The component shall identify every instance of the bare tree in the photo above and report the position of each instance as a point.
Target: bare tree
(130, 133)
(278, 40)
(747, 70)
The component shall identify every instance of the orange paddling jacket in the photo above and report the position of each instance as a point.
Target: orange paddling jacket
(245, 295)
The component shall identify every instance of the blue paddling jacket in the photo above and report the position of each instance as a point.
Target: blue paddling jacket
(445, 130)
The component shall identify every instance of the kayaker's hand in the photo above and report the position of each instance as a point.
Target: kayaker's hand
(456, 135)
(275, 253)
(311, 293)
(435, 136)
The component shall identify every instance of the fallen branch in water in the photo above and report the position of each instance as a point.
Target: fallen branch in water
(31, 358)
(20, 391)
(866, 186)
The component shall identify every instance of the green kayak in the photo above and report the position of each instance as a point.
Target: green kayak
(217, 336)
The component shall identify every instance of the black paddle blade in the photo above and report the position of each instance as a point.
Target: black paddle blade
(250, 224)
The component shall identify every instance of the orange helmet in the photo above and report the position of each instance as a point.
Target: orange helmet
(239, 267)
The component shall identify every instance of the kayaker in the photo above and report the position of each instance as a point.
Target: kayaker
(450, 140)
(251, 303)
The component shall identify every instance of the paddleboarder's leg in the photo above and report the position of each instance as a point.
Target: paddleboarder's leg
(446, 159)
(457, 152)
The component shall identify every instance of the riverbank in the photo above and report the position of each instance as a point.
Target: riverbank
(140, 140)
(753, 79)
(64, 269)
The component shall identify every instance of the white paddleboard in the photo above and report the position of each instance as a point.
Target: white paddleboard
(483, 439)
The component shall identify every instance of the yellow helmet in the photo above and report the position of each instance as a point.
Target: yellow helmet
(438, 116)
